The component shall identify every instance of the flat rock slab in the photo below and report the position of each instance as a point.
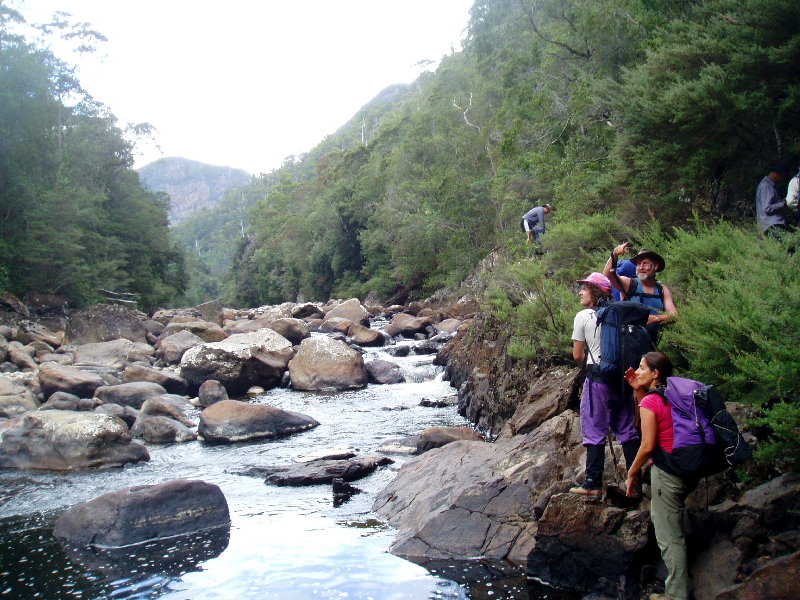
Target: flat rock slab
(321, 471)
(234, 421)
(62, 440)
(143, 513)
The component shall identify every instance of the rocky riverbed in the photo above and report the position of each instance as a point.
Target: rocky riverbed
(327, 428)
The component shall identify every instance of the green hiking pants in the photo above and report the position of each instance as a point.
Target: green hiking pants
(666, 511)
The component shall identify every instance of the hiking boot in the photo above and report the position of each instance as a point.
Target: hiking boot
(590, 493)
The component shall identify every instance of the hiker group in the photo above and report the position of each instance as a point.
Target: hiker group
(678, 424)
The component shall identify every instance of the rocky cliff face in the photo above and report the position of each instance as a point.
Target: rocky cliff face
(191, 185)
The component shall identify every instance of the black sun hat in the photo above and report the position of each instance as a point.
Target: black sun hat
(654, 256)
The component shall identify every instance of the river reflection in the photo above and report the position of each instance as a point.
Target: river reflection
(283, 543)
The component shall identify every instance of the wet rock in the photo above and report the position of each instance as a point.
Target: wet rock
(436, 437)
(439, 403)
(173, 383)
(131, 394)
(470, 499)
(426, 347)
(172, 348)
(384, 372)
(293, 330)
(212, 391)
(61, 359)
(242, 360)
(364, 336)
(62, 440)
(143, 513)
(398, 351)
(63, 378)
(323, 363)
(327, 454)
(234, 421)
(343, 491)
(322, 471)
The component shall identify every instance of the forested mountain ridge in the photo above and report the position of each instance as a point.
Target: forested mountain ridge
(191, 185)
(74, 217)
(625, 108)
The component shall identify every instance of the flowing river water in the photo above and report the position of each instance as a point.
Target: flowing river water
(284, 543)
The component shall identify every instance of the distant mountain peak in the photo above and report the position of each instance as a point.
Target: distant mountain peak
(191, 185)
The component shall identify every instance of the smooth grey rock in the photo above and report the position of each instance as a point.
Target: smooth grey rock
(172, 382)
(384, 372)
(62, 440)
(114, 354)
(293, 330)
(172, 348)
(142, 513)
(15, 399)
(212, 391)
(234, 421)
(322, 471)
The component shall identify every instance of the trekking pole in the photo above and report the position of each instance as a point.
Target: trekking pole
(613, 456)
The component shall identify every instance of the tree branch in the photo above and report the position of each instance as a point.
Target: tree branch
(529, 12)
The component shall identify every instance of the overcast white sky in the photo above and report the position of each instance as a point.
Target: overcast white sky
(246, 83)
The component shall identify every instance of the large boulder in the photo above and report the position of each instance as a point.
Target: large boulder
(63, 440)
(593, 546)
(211, 311)
(167, 315)
(115, 355)
(105, 322)
(239, 362)
(142, 513)
(304, 311)
(470, 499)
(131, 394)
(349, 309)
(172, 348)
(323, 363)
(234, 421)
(778, 579)
(63, 378)
(15, 399)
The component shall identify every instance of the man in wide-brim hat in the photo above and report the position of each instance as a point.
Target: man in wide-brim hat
(644, 287)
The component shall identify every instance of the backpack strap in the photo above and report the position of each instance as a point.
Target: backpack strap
(633, 290)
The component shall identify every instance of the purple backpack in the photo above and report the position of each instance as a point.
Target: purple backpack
(694, 452)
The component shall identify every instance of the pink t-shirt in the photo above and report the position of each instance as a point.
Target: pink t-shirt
(665, 435)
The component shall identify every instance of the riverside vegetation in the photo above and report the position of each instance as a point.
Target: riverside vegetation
(637, 120)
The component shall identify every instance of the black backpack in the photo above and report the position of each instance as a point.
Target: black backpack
(623, 340)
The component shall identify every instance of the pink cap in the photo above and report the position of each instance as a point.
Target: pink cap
(599, 280)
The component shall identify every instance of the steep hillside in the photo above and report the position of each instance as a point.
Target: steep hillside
(191, 185)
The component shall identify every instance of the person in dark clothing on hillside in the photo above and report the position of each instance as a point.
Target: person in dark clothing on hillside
(770, 206)
(644, 287)
(533, 222)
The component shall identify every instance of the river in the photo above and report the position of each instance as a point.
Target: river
(284, 543)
